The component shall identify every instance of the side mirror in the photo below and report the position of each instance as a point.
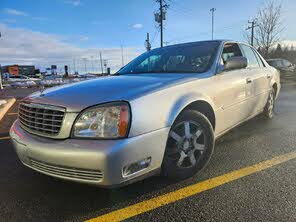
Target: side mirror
(236, 62)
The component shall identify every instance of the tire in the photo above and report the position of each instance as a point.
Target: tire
(183, 145)
(268, 112)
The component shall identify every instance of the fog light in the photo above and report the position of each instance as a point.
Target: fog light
(136, 167)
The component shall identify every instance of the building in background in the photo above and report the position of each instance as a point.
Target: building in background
(16, 70)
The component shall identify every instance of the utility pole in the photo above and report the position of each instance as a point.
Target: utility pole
(122, 60)
(147, 43)
(105, 64)
(160, 17)
(101, 60)
(161, 23)
(252, 27)
(213, 14)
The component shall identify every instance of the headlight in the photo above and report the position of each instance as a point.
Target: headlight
(104, 121)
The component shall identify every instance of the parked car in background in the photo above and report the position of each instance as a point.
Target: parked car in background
(160, 113)
(282, 64)
(19, 78)
(23, 84)
(16, 81)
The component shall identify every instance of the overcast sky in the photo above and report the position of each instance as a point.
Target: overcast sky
(49, 32)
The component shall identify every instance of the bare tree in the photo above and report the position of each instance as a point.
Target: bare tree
(269, 26)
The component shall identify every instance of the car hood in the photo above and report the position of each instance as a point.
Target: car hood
(78, 96)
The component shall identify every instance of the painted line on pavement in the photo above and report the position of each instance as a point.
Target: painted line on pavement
(11, 114)
(5, 138)
(151, 204)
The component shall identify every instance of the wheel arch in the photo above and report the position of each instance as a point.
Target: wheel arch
(199, 103)
(275, 87)
(204, 108)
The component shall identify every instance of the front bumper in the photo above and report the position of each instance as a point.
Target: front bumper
(96, 162)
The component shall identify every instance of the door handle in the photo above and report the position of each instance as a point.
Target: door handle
(268, 76)
(248, 80)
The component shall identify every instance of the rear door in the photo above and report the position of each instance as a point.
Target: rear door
(257, 80)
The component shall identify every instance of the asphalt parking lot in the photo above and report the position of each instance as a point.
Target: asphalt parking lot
(249, 194)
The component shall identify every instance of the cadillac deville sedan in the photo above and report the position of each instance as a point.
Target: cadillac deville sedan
(161, 113)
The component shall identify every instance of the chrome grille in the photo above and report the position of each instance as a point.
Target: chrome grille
(75, 173)
(41, 119)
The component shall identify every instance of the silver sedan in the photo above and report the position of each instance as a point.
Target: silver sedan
(160, 113)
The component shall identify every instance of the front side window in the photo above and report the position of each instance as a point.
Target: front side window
(188, 58)
(251, 57)
(230, 50)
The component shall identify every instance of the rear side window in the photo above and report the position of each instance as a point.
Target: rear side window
(259, 59)
(251, 57)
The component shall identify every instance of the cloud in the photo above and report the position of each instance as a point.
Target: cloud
(84, 38)
(138, 26)
(11, 11)
(23, 46)
(74, 2)
(287, 43)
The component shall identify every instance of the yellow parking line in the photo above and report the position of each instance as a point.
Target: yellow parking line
(10, 114)
(194, 189)
(5, 138)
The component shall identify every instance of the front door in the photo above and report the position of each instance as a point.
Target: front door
(231, 95)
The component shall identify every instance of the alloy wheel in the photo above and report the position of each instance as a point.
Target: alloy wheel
(270, 105)
(187, 144)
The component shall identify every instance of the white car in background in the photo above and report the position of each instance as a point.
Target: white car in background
(19, 78)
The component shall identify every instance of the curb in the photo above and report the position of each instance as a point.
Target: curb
(6, 107)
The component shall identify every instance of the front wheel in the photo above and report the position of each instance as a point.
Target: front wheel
(269, 107)
(189, 147)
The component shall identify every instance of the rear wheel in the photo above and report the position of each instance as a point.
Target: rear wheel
(269, 107)
(189, 146)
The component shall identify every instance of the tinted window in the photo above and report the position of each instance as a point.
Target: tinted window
(188, 58)
(251, 57)
(230, 50)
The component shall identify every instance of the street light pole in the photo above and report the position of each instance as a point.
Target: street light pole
(213, 14)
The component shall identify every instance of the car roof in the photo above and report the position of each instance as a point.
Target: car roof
(274, 59)
(220, 41)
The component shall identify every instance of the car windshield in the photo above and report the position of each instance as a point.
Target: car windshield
(189, 58)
